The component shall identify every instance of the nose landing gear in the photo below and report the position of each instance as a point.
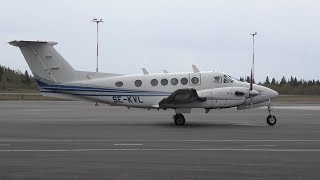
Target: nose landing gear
(271, 119)
(179, 119)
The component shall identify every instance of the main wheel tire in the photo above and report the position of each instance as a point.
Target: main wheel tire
(179, 119)
(271, 120)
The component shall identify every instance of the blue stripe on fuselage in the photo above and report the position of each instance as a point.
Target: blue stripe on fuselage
(79, 94)
(69, 89)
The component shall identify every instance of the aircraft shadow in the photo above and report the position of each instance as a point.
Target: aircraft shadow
(206, 125)
(187, 125)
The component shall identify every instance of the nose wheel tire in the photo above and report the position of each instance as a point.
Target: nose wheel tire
(179, 119)
(271, 120)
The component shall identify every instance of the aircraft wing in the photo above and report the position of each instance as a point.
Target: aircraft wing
(181, 96)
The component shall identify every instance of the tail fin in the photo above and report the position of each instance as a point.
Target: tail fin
(45, 62)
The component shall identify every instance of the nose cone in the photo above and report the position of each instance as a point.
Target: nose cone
(272, 94)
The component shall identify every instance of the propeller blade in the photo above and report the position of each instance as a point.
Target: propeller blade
(252, 92)
(251, 80)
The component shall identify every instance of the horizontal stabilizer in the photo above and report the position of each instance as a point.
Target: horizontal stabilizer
(26, 43)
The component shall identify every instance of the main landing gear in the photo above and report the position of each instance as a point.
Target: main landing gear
(179, 119)
(271, 119)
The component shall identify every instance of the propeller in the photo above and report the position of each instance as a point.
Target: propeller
(251, 80)
(252, 92)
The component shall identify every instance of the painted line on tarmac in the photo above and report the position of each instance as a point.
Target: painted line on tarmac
(127, 144)
(262, 145)
(143, 149)
(313, 108)
(40, 110)
(159, 140)
(5, 144)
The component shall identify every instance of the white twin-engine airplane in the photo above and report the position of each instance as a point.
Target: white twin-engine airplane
(179, 91)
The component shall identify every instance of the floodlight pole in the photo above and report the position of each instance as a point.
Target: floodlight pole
(253, 34)
(97, 68)
(97, 21)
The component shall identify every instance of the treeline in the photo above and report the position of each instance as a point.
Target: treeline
(291, 86)
(15, 80)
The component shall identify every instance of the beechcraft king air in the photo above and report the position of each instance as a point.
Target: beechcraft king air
(178, 91)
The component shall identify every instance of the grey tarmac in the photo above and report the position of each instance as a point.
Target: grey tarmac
(76, 140)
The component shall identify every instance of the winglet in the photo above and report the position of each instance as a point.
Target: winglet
(144, 71)
(195, 69)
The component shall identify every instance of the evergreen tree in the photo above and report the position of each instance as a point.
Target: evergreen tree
(248, 79)
(291, 81)
(283, 81)
(295, 81)
(1, 72)
(267, 82)
(27, 78)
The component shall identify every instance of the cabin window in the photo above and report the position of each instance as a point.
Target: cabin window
(138, 83)
(154, 82)
(217, 79)
(174, 81)
(119, 84)
(164, 82)
(184, 81)
(195, 80)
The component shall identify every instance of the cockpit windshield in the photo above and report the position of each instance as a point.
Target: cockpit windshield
(224, 79)
(228, 79)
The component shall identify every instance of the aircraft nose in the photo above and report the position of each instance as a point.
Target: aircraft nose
(273, 94)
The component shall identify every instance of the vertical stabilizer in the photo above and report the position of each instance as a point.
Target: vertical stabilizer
(45, 62)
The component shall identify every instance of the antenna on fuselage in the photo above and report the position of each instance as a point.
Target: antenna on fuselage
(144, 71)
(195, 69)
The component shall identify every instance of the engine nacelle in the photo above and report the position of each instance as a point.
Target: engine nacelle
(226, 96)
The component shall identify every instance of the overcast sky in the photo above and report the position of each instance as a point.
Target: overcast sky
(171, 34)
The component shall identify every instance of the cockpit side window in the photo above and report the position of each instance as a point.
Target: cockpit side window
(217, 79)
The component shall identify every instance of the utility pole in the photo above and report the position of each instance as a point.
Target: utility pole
(253, 34)
(95, 20)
